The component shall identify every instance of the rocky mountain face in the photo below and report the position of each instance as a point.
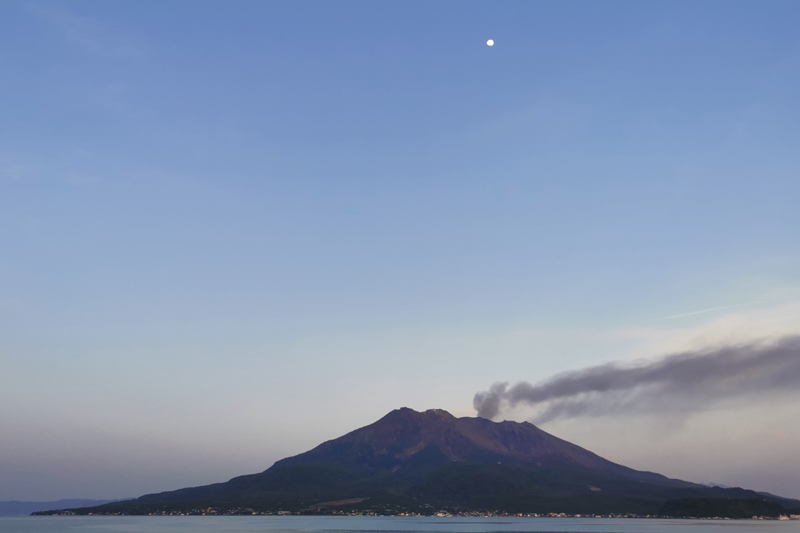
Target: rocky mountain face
(409, 439)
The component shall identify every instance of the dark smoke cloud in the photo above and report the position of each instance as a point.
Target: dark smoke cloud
(681, 382)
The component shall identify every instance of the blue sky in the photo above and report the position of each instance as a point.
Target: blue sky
(231, 231)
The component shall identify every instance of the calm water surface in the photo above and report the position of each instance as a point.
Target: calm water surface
(324, 524)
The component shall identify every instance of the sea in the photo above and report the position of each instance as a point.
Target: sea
(387, 524)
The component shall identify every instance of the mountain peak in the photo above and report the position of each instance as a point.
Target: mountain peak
(409, 439)
(424, 459)
(409, 412)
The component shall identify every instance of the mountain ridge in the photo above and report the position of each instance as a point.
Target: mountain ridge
(24, 508)
(415, 461)
(519, 441)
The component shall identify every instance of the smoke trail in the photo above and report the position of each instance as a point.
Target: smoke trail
(684, 382)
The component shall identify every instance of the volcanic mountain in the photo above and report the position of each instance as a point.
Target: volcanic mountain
(412, 461)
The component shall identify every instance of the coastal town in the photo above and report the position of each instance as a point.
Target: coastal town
(244, 511)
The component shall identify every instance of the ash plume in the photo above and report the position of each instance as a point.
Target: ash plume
(682, 382)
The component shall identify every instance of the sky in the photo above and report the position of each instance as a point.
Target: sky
(229, 232)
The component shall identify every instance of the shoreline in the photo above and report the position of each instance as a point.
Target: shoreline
(627, 516)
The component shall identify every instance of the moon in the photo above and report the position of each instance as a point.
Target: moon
(490, 42)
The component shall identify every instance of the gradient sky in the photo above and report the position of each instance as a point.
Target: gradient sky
(230, 231)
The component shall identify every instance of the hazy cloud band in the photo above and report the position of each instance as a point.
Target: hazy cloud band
(685, 382)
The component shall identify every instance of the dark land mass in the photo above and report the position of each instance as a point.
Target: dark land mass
(412, 462)
(15, 508)
(730, 508)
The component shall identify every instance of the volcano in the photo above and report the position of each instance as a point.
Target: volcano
(410, 461)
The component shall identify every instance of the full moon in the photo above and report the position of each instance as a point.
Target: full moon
(490, 42)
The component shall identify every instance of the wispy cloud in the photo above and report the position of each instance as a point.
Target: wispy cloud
(118, 98)
(703, 311)
(90, 34)
(13, 169)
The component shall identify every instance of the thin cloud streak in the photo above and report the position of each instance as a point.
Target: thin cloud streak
(700, 312)
(89, 34)
(683, 382)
